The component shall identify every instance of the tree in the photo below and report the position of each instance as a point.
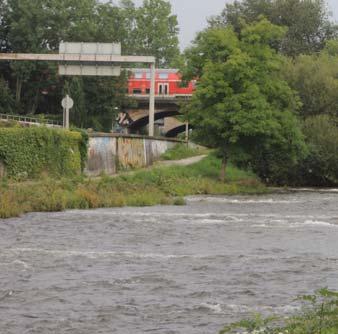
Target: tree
(242, 105)
(315, 78)
(37, 27)
(307, 21)
(157, 32)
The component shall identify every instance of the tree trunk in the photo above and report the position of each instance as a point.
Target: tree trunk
(35, 102)
(223, 169)
(18, 89)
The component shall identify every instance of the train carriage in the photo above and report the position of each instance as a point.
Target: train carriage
(168, 83)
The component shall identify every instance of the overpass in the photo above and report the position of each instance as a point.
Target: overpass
(166, 106)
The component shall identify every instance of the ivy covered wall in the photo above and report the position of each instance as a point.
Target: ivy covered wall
(27, 153)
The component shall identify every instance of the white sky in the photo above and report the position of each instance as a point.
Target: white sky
(192, 15)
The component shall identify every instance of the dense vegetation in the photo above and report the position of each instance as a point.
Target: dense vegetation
(162, 185)
(267, 93)
(38, 26)
(319, 315)
(29, 152)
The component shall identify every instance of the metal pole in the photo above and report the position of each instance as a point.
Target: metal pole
(67, 118)
(152, 100)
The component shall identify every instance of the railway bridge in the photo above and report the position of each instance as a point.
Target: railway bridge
(166, 108)
(170, 94)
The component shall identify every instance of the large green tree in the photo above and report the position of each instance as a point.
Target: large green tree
(242, 106)
(308, 21)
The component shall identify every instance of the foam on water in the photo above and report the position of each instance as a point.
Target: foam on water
(240, 200)
(319, 223)
(215, 308)
(98, 254)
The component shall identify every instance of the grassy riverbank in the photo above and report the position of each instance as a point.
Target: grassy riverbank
(319, 315)
(160, 185)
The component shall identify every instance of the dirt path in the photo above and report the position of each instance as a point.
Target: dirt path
(183, 162)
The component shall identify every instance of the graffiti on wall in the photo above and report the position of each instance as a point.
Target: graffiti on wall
(108, 154)
(101, 156)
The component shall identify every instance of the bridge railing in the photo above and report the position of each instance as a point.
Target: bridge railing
(29, 120)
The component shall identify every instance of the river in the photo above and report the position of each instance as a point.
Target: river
(165, 269)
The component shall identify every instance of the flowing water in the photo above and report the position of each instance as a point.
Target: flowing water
(189, 269)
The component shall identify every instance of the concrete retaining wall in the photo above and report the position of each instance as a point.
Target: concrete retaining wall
(108, 153)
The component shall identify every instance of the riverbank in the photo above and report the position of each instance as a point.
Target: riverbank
(160, 185)
(319, 315)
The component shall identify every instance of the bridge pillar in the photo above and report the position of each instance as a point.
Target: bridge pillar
(152, 101)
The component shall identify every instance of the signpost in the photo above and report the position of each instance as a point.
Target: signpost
(67, 104)
(99, 59)
(89, 68)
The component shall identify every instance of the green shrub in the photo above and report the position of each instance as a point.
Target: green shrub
(179, 201)
(30, 152)
(320, 168)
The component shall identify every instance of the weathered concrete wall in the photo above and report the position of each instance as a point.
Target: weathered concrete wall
(101, 156)
(131, 153)
(108, 153)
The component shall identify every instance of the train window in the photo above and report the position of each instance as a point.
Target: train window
(137, 91)
(138, 75)
(147, 90)
(163, 76)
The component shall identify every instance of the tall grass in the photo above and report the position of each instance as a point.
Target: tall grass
(161, 185)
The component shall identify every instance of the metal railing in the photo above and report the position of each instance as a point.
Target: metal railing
(29, 120)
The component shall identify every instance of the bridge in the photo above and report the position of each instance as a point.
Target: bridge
(173, 127)
(166, 108)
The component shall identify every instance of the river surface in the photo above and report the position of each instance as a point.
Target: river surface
(189, 269)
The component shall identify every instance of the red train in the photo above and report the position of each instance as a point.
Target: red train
(168, 83)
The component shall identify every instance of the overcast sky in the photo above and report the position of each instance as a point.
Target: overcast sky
(192, 15)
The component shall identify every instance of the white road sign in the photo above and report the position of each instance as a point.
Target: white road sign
(67, 102)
